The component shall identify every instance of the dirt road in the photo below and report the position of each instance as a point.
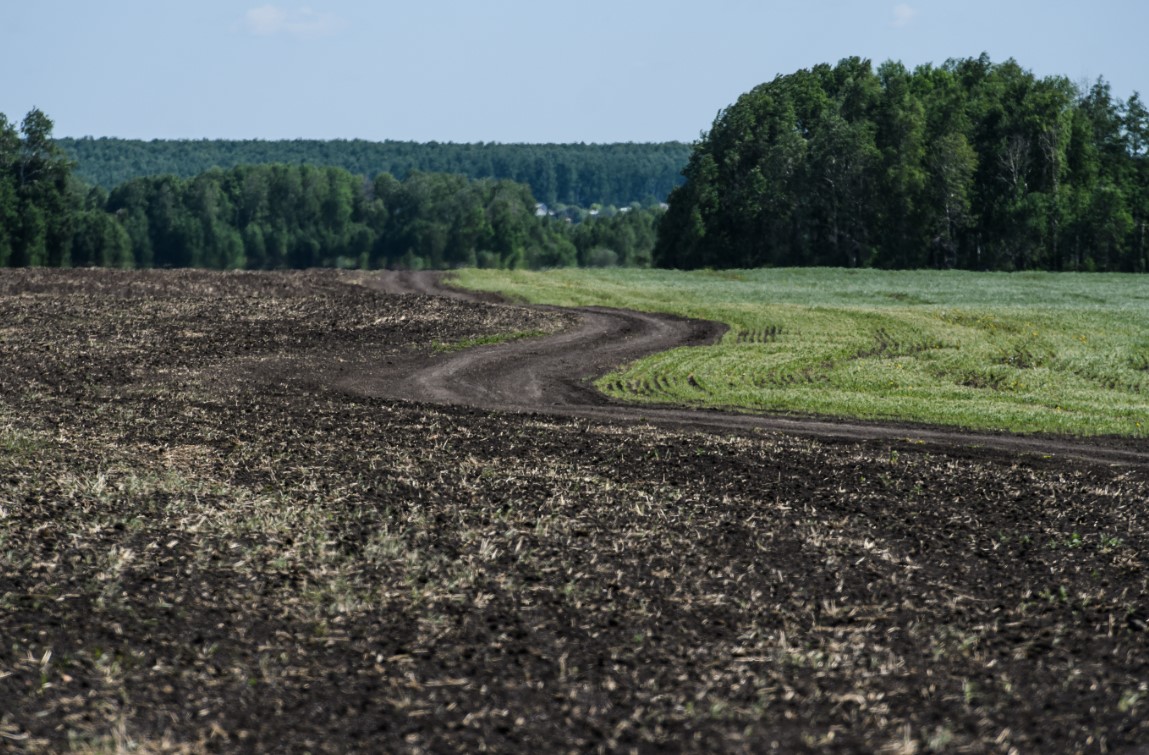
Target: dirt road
(554, 375)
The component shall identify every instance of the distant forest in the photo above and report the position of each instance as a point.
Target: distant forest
(971, 165)
(292, 216)
(572, 174)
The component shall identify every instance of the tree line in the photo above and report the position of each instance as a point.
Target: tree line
(970, 164)
(573, 174)
(291, 216)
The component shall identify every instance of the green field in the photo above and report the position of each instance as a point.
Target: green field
(1021, 352)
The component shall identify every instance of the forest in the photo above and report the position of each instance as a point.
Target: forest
(970, 164)
(573, 174)
(275, 216)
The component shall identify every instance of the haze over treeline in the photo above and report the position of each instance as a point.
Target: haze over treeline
(577, 174)
(970, 164)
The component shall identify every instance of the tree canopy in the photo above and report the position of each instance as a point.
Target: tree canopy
(971, 164)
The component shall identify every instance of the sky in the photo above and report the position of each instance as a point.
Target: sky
(500, 70)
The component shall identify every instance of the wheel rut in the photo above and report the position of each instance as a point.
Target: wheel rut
(554, 374)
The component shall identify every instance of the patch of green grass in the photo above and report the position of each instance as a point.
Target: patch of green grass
(15, 442)
(488, 340)
(1024, 352)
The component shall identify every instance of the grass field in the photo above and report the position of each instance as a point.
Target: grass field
(1022, 352)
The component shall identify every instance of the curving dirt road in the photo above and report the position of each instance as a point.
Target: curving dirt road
(554, 374)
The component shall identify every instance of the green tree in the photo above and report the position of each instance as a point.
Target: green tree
(38, 187)
(100, 241)
(953, 164)
(9, 198)
(897, 228)
(971, 164)
(1136, 127)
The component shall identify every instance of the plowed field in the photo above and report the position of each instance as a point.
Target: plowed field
(229, 522)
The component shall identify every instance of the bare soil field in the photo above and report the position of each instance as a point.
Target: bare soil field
(232, 520)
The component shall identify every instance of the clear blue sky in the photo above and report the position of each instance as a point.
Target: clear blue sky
(500, 70)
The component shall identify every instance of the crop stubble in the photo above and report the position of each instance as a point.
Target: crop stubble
(206, 546)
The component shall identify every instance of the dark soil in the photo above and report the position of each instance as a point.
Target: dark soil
(225, 527)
